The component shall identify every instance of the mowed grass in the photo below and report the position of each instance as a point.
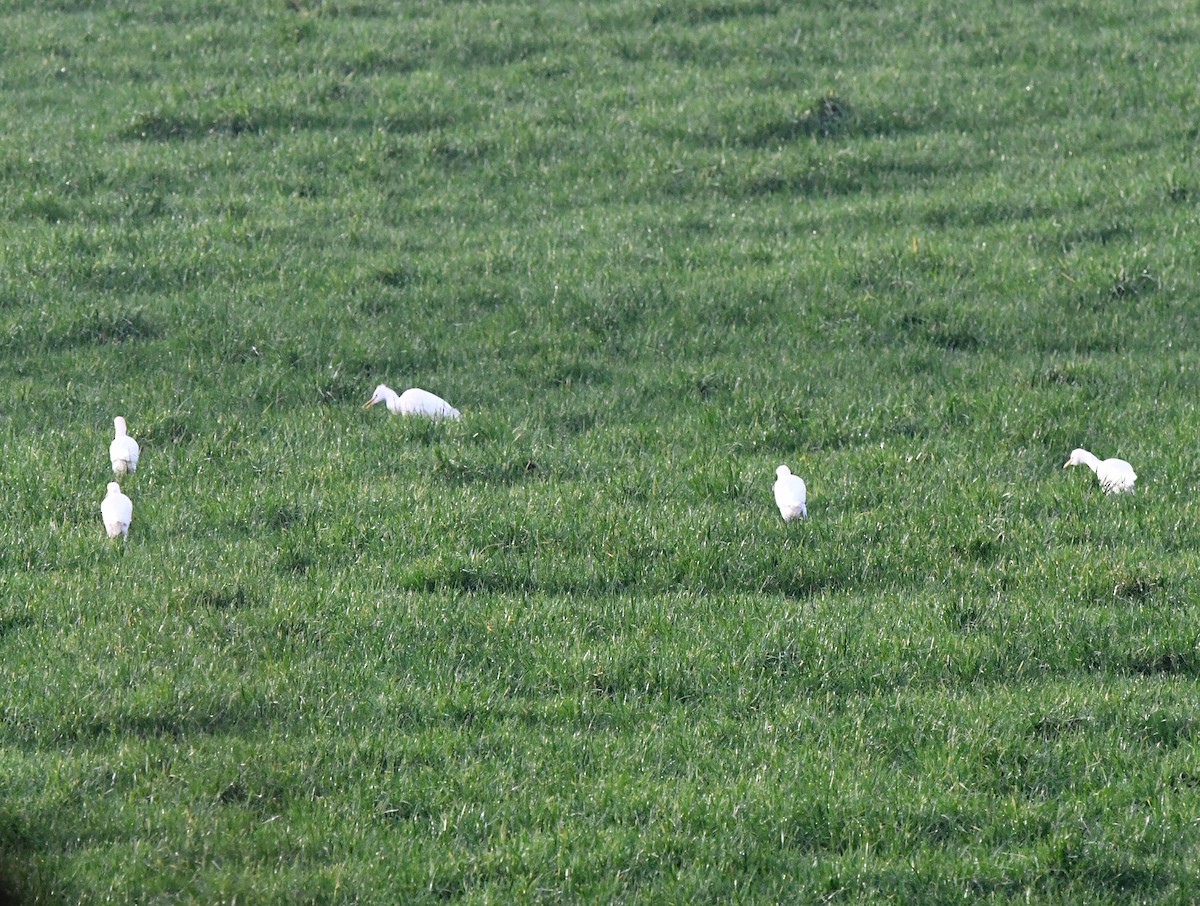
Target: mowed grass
(565, 649)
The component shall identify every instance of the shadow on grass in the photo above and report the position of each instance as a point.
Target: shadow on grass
(693, 14)
(9, 625)
(17, 850)
(182, 720)
(239, 120)
(460, 472)
(228, 598)
(827, 116)
(803, 586)
(1184, 663)
(649, 572)
(94, 328)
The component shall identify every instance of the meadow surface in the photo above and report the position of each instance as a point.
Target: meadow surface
(565, 650)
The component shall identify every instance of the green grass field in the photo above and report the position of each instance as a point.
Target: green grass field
(565, 650)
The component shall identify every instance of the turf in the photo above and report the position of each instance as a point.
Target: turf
(565, 650)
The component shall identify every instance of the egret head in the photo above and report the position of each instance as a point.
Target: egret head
(380, 394)
(782, 471)
(119, 425)
(1079, 457)
(114, 488)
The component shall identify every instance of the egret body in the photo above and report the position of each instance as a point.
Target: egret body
(117, 510)
(790, 494)
(1114, 475)
(123, 451)
(414, 401)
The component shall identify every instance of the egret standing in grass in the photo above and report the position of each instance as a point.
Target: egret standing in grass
(790, 494)
(117, 511)
(123, 451)
(414, 401)
(1115, 475)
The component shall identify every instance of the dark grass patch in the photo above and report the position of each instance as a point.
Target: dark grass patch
(29, 554)
(1178, 192)
(12, 297)
(1177, 662)
(944, 330)
(1137, 587)
(1081, 340)
(295, 558)
(136, 275)
(281, 517)
(297, 633)
(710, 386)
(262, 794)
(1126, 283)
(1061, 376)
(808, 127)
(693, 14)
(471, 579)
(806, 584)
(96, 327)
(43, 207)
(260, 799)
(958, 337)
(163, 127)
(10, 625)
(631, 678)
(566, 373)
(182, 721)
(397, 363)
(171, 430)
(964, 615)
(980, 549)
(462, 471)
(19, 842)
(1054, 727)
(1102, 234)
(230, 122)
(1165, 728)
(579, 421)
(233, 597)
(400, 276)
(977, 214)
(453, 153)
(782, 661)
(818, 178)
(829, 115)
(405, 811)
(336, 388)
(414, 121)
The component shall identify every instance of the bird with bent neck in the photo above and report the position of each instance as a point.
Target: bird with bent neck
(414, 401)
(1115, 475)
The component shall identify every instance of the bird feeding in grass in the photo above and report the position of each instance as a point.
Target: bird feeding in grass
(123, 451)
(117, 511)
(1114, 475)
(414, 401)
(790, 494)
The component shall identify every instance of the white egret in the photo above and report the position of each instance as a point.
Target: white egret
(1115, 475)
(414, 401)
(123, 451)
(790, 494)
(117, 510)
